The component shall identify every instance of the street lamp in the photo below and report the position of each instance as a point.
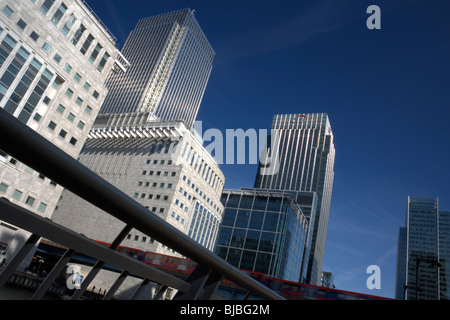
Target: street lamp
(434, 263)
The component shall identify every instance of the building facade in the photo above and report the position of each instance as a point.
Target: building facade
(265, 232)
(163, 166)
(302, 156)
(54, 59)
(423, 252)
(171, 61)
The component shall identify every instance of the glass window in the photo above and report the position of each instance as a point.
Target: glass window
(52, 125)
(57, 58)
(81, 124)
(95, 94)
(102, 63)
(46, 6)
(22, 24)
(60, 109)
(3, 187)
(88, 110)
(87, 44)
(17, 194)
(77, 77)
(68, 25)
(71, 117)
(95, 53)
(79, 101)
(69, 93)
(58, 14)
(34, 36)
(62, 133)
(30, 201)
(76, 37)
(42, 207)
(68, 67)
(8, 11)
(46, 47)
(87, 86)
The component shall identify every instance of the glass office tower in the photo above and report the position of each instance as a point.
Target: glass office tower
(423, 252)
(171, 61)
(302, 152)
(264, 231)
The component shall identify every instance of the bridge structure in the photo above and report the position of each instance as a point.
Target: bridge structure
(27, 146)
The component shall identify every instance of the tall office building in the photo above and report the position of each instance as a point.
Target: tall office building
(171, 61)
(54, 59)
(302, 155)
(423, 252)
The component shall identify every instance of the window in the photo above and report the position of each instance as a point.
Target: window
(71, 117)
(60, 109)
(37, 117)
(68, 68)
(3, 187)
(17, 194)
(80, 125)
(87, 86)
(73, 141)
(69, 93)
(8, 11)
(58, 14)
(52, 125)
(46, 6)
(79, 101)
(68, 25)
(88, 110)
(77, 77)
(34, 36)
(95, 94)
(62, 133)
(42, 207)
(95, 53)
(22, 24)
(57, 58)
(87, 44)
(46, 47)
(102, 63)
(30, 201)
(78, 34)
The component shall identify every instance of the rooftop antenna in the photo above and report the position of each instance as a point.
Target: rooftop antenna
(193, 11)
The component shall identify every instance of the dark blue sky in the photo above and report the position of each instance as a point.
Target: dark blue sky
(386, 92)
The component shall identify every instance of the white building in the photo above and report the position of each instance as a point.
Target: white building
(163, 165)
(54, 59)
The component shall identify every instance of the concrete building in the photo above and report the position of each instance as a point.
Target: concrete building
(54, 59)
(163, 165)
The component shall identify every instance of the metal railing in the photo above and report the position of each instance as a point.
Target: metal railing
(27, 146)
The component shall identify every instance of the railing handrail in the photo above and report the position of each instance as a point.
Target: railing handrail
(35, 151)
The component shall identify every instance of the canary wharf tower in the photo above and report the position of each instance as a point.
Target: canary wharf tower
(171, 61)
(302, 159)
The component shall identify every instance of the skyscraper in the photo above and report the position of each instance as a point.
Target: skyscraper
(302, 159)
(171, 61)
(423, 252)
(54, 59)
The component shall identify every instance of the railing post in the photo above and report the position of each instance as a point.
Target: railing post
(204, 284)
(18, 258)
(116, 285)
(43, 288)
(140, 290)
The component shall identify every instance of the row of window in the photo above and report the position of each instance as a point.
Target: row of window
(201, 194)
(81, 29)
(202, 168)
(18, 195)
